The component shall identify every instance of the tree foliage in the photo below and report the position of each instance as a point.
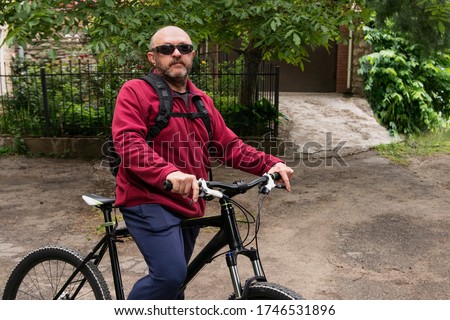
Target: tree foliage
(410, 93)
(423, 22)
(269, 29)
(280, 28)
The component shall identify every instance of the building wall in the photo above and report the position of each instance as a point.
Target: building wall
(6, 56)
(342, 64)
(72, 47)
(328, 70)
(358, 48)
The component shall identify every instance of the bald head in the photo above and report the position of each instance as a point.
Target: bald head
(169, 34)
(172, 60)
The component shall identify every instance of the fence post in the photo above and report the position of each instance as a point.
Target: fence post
(45, 101)
(277, 98)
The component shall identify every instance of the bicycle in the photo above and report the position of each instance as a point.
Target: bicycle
(60, 273)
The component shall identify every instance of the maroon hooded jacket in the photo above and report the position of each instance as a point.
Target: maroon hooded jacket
(182, 145)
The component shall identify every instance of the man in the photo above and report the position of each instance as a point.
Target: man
(179, 153)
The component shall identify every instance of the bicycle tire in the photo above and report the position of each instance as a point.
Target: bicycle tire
(42, 273)
(269, 291)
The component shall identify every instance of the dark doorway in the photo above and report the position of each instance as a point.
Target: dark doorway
(319, 74)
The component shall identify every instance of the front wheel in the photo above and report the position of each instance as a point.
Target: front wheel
(43, 272)
(269, 291)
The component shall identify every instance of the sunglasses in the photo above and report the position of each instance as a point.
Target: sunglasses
(168, 49)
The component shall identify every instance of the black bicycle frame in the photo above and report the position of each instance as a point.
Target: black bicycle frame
(228, 234)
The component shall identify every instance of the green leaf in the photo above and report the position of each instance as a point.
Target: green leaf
(297, 40)
(273, 25)
(52, 54)
(228, 3)
(26, 6)
(33, 22)
(109, 3)
(441, 27)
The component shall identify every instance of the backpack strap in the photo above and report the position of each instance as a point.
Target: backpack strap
(164, 93)
(203, 114)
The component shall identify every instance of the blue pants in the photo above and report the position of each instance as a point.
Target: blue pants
(166, 249)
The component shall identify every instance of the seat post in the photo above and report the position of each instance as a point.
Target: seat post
(113, 255)
(107, 217)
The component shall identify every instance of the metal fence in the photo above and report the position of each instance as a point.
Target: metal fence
(78, 98)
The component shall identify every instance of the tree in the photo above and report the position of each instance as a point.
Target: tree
(423, 22)
(262, 29)
(277, 29)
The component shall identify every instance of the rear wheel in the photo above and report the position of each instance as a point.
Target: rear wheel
(269, 291)
(43, 272)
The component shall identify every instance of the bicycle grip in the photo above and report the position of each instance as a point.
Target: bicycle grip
(167, 185)
(276, 176)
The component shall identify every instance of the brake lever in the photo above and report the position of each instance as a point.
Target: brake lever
(207, 192)
(269, 185)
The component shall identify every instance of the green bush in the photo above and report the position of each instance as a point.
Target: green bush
(80, 98)
(21, 107)
(222, 83)
(409, 93)
(254, 120)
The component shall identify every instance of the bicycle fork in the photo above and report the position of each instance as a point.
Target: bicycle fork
(231, 258)
(236, 248)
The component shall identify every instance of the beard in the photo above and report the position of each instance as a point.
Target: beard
(175, 76)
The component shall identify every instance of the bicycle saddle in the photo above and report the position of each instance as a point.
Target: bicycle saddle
(96, 200)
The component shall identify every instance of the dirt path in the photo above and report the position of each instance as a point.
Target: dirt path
(368, 230)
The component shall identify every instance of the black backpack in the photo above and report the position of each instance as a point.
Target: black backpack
(162, 119)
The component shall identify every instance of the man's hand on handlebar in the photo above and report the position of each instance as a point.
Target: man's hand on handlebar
(184, 184)
(188, 186)
(285, 173)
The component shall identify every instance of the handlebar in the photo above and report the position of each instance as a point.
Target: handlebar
(266, 183)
